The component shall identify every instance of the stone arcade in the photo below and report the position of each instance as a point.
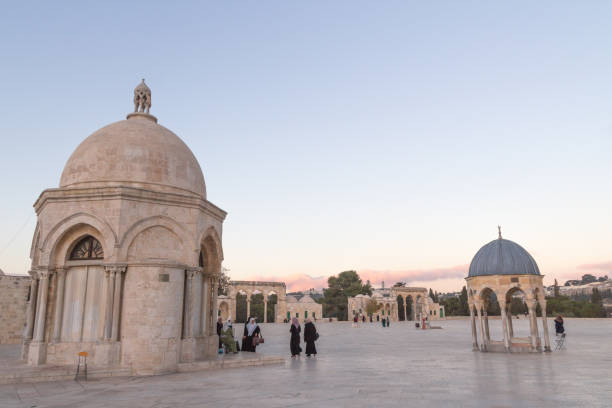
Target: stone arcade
(505, 269)
(126, 254)
(397, 303)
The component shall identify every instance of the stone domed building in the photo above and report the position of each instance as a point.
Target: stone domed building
(505, 269)
(126, 254)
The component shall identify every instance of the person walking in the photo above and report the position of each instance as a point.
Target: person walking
(310, 336)
(294, 342)
(251, 330)
(384, 322)
(388, 322)
(559, 329)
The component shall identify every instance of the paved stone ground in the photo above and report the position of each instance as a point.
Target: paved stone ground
(369, 367)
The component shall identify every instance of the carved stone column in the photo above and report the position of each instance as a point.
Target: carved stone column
(117, 297)
(109, 275)
(31, 311)
(533, 324)
(485, 318)
(248, 305)
(504, 318)
(545, 325)
(39, 329)
(509, 319)
(212, 300)
(59, 304)
(406, 309)
(474, 334)
(215, 292)
(265, 310)
(188, 327)
(483, 342)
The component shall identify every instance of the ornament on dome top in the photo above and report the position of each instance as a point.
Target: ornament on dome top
(142, 98)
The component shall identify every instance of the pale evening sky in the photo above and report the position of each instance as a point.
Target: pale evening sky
(388, 137)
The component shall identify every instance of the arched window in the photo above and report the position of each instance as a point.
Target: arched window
(87, 248)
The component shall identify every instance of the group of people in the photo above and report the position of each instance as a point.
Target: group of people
(251, 336)
(310, 336)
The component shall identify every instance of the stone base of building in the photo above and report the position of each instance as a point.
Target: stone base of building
(22, 373)
(101, 353)
(37, 353)
(517, 345)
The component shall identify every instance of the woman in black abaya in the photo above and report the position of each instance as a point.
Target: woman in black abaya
(251, 329)
(310, 336)
(294, 343)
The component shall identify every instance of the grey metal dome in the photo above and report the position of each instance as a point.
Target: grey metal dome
(503, 257)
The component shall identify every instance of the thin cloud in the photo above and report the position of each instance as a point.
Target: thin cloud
(298, 282)
(604, 266)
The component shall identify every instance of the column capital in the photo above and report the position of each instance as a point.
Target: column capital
(191, 274)
(44, 273)
(115, 268)
(531, 303)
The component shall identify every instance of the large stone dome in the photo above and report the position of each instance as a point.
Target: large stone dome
(503, 257)
(136, 152)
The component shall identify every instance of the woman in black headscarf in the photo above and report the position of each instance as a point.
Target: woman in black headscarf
(294, 343)
(251, 329)
(310, 336)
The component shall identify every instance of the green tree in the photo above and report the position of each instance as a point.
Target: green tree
(451, 306)
(464, 308)
(335, 297)
(588, 278)
(556, 288)
(397, 284)
(372, 307)
(598, 302)
(431, 295)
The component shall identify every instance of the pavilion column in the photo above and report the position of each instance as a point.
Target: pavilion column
(509, 320)
(483, 342)
(248, 305)
(212, 305)
(59, 304)
(406, 309)
(110, 277)
(504, 318)
(187, 309)
(39, 329)
(205, 304)
(265, 310)
(31, 311)
(117, 296)
(214, 295)
(485, 317)
(545, 326)
(414, 309)
(474, 334)
(533, 324)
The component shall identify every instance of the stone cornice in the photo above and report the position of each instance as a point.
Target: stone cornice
(127, 193)
(256, 283)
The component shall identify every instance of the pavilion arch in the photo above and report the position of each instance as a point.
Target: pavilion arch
(57, 236)
(146, 223)
(212, 239)
(60, 253)
(211, 255)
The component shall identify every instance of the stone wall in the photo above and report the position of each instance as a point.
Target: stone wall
(13, 297)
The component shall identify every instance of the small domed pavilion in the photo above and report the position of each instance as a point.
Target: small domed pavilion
(126, 254)
(502, 269)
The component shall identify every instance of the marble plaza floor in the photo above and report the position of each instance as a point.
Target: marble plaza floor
(368, 367)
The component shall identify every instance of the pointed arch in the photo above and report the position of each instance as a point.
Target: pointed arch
(66, 232)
